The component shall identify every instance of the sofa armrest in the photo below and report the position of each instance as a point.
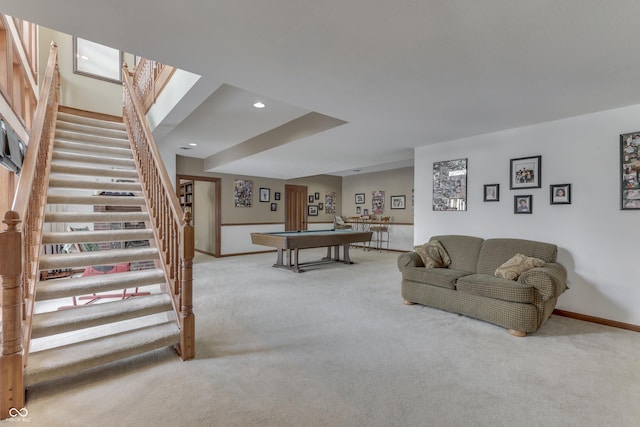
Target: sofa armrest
(550, 280)
(409, 259)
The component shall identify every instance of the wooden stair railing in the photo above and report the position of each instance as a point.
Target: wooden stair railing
(172, 229)
(149, 78)
(20, 246)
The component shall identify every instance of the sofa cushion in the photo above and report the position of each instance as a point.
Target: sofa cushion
(463, 251)
(433, 254)
(495, 287)
(441, 277)
(495, 252)
(516, 265)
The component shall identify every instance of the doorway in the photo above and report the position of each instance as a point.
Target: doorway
(295, 207)
(204, 202)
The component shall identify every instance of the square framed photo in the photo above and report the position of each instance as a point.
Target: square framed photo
(523, 204)
(359, 198)
(491, 192)
(265, 194)
(398, 202)
(312, 210)
(274, 207)
(560, 194)
(525, 173)
(276, 195)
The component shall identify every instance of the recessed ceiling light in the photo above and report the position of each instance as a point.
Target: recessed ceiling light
(193, 144)
(259, 104)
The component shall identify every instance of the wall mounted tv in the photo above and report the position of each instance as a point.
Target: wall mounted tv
(11, 148)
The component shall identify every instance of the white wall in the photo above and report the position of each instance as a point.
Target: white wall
(598, 242)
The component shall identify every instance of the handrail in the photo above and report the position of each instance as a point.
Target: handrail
(19, 284)
(172, 229)
(149, 78)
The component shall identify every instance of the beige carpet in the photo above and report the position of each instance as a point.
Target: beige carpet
(335, 346)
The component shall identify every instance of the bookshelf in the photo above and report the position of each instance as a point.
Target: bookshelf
(186, 196)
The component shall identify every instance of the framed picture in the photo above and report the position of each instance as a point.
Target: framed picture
(492, 192)
(560, 194)
(365, 212)
(523, 204)
(320, 206)
(630, 171)
(330, 202)
(316, 196)
(312, 210)
(450, 185)
(265, 194)
(242, 190)
(525, 172)
(358, 210)
(359, 198)
(276, 195)
(398, 202)
(311, 199)
(274, 207)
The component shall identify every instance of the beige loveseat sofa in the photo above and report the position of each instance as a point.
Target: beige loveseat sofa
(470, 287)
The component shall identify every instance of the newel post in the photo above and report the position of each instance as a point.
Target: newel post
(187, 318)
(11, 363)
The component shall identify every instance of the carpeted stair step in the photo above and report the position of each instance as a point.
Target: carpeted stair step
(70, 146)
(63, 135)
(82, 217)
(89, 171)
(89, 121)
(76, 286)
(52, 238)
(94, 185)
(60, 156)
(106, 257)
(88, 316)
(61, 199)
(91, 129)
(58, 362)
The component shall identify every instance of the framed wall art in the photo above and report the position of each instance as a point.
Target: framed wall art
(274, 207)
(629, 171)
(377, 202)
(398, 202)
(450, 185)
(276, 195)
(525, 172)
(330, 202)
(242, 190)
(523, 204)
(359, 198)
(491, 193)
(560, 194)
(312, 210)
(265, 194)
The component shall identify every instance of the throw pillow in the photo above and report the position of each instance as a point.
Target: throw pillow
(518, 264)
(433, 254)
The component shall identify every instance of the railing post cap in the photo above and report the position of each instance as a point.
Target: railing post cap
(12, 219)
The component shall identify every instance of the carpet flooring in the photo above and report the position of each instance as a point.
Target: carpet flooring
(335, 346)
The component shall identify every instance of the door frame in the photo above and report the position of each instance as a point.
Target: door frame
(217, 211)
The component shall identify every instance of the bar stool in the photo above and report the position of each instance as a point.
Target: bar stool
(381, 232)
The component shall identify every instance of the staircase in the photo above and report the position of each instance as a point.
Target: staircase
(85, 321)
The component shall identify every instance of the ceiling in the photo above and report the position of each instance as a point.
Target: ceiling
(392, 75)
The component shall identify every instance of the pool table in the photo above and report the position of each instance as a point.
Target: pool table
(293, 241)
